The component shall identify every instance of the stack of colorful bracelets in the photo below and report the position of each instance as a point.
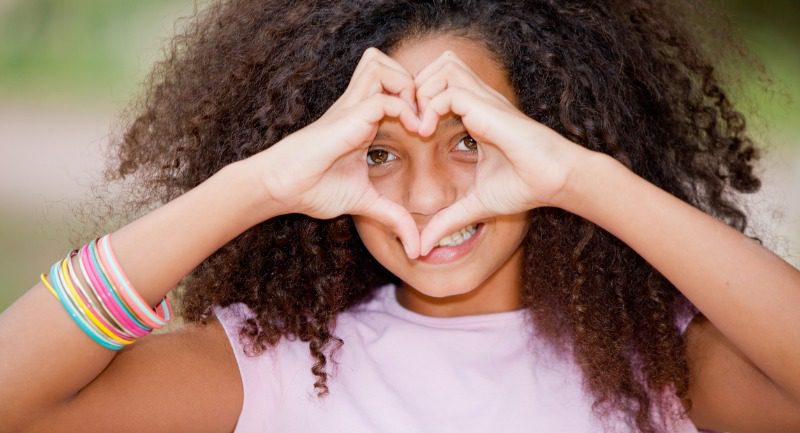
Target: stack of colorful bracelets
(108, 310)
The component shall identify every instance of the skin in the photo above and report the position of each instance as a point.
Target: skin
(427, 174)
(743, 372)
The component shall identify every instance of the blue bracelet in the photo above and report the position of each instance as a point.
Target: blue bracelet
(75, 315)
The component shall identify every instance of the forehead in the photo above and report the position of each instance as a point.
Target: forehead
(415, 54)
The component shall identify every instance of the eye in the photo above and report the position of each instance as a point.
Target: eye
(470, 143)
(379, 156)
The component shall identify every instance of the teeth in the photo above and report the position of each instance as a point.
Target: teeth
(458, 237)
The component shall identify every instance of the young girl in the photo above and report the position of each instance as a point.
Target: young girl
(421, 216)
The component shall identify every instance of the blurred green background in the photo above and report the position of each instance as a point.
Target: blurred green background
(68, 68)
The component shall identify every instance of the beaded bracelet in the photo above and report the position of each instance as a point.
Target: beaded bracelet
(106, 308)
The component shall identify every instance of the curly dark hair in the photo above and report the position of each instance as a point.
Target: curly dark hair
(622, 77)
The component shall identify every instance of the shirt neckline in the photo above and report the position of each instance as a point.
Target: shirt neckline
(390, 304)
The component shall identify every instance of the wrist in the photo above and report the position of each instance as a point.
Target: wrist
(586, 182)
(246, 193)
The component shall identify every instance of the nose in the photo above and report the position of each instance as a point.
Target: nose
(429, 189)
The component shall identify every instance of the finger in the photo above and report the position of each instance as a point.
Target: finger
(448, 77)
(394, 64)
(423, 77)
(455, 72)
(471, 108)
(375, 73)
(450, 73)
(449, 65)
(428, 90)
(370, 55)
(374, 54)
(436, 65)
(462, 212)
(380, 105)
(357, 128)
(398, 220)
(378, 78)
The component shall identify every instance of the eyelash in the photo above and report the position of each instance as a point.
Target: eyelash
(383, 150)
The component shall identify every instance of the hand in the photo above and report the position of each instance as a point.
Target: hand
(321, 170)
(522, 164)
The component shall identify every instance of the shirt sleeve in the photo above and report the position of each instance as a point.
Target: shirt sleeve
(255, 372)
(683, 318)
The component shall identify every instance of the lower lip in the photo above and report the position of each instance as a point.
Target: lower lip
(446, 254)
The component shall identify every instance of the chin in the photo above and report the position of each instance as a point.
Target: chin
(442, 285)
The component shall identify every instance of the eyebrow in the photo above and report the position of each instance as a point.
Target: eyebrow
(450, 123)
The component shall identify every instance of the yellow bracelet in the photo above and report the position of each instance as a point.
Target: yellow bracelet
(86, 310)
(43, 277)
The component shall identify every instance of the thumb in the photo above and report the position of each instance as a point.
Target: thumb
(462, 212)
(396, 218)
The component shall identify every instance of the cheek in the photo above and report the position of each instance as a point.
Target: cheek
(382, 245)
(515, 227)
(389, 184)
(372, 235)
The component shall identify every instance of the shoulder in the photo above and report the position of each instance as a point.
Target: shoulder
(728, 392)
(184, 380)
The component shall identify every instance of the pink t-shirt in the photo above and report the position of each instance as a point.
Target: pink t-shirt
(400, 371)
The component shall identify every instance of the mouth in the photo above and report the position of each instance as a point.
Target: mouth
(454, 246)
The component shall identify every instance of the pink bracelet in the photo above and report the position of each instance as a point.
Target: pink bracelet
(133, 299)
(77, 289)
(115, 305)
(100, 304)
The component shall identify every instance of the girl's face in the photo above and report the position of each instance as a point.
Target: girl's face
(426, 175)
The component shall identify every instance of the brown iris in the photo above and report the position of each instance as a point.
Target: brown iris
(470, 142)
(377, 156)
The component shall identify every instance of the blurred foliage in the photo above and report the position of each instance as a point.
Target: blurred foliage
(771, 31)
(82, 50)
(99, 50)
(780, 17)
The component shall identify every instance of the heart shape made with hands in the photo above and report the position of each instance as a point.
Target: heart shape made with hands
(522, 164)
(447, 86)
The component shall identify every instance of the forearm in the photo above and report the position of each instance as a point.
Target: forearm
(45, 358)
(160, 248)
(751, 295)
